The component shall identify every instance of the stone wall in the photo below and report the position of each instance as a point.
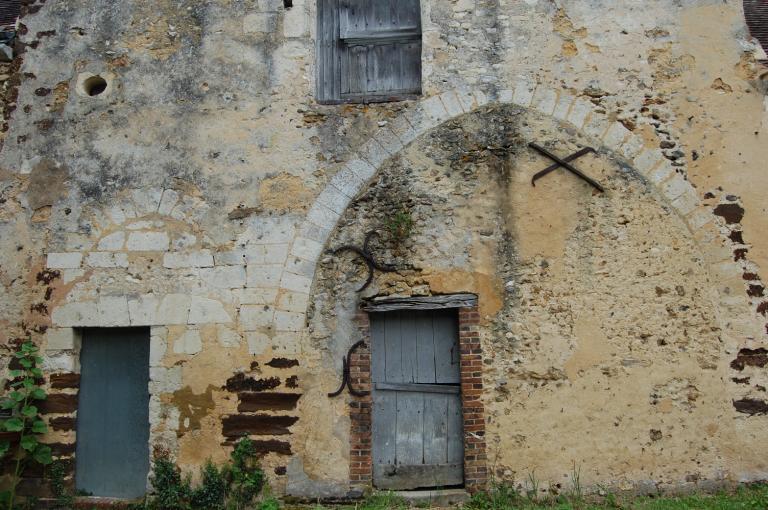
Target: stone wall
(623, 332)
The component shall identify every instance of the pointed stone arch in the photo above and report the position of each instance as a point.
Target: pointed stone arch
(607, 135)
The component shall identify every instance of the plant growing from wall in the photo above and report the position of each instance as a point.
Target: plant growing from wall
(233, 486)
(400, 225)
(24, 417)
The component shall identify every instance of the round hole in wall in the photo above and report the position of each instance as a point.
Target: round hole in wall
(94, 85)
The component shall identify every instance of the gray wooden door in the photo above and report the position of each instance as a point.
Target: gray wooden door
(112, 457)
(417, 422)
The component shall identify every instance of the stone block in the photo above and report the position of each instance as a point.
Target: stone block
(506, 95)
(257, 342)
(267, 254)
(78, 314)
(373, 153)
(295, 22)
(300, 266)
(361, 168)
(675, 187)
(164, 380)
(230, 258)
(60, 361)
(286, 343)
(661, 173)
(544, 100)
(106, 259)
(112, 242)
(699, 218)
(200, 258)
(632, 146)
(158, 345)
(204, 311)
(227, 337)
(563, 106)
(147, 200)
(293, 301)
(322, 216)
(289, 321)
(254, 296)
(315, 232)
(451, 103)
(188, 343)
(148, 241)
(615, 135)
(259, 23)
(259, 275)
(270, 230)
(174, 309)
(223, 277)
(306, 249)
(113, 312)
(388, 140)
(62, 339)
(580, 112)
(142, 310)
(596, 126)
(434, 110)
(686, 202)
(523, 94)
(481, 98)
(168, 202)
(333, 199)
(64, 260)
(467, 99)
(296, 283)
(347, 182)
(253, 317)
(647, 161)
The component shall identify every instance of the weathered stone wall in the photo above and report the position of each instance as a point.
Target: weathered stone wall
(624, 332)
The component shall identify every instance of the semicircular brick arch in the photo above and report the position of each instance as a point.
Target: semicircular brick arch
(311, 238)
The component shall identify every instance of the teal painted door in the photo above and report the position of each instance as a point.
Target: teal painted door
(417, 420)
(112, 456)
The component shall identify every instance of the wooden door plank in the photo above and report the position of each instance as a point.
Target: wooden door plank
(436, 429)
(408, 346)
(446, 348)
(450, 389)
(425, 348)
(417, 476)
(393, 369)
(410, 428)
(455, 429)
(378, 348)
(384, 427)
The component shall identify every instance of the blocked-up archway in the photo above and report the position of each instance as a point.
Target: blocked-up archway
(584, 298)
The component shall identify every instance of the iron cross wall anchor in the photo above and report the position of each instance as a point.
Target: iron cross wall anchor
(367, 256)
(345, 382)
(565, 163)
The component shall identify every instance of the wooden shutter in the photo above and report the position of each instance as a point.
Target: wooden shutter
(368, 50)
(756, 13)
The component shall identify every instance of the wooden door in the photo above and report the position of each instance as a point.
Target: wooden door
(417, 421)
(112, 457)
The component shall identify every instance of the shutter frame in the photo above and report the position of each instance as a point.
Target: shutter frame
(375, 55)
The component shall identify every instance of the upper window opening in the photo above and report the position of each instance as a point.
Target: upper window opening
(756, 13)
(368, 50)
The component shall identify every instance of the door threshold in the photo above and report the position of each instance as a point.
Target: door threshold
(434, 497)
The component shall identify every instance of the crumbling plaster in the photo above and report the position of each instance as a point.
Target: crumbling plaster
(197, 194)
